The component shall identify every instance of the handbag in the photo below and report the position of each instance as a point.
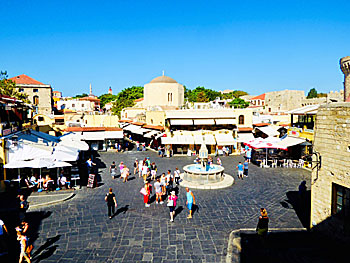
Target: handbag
(143, 191)
(170, 202)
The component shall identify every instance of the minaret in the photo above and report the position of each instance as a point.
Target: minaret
(345, 68)
(90, 90)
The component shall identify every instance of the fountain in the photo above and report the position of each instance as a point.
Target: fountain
(202, 174)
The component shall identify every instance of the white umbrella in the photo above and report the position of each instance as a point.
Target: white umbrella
(58, 164)
(65, 156)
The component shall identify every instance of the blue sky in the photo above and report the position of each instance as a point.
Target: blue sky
(255, 46)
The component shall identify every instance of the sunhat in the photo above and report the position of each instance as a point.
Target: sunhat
(172, 192)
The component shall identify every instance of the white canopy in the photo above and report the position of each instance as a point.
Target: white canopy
(132, 128)
(223, 139)
(245, 137)
(35, 163)
(114, 134)
(198, 139)
(209, 139)
(151, 133)
(225, 121)
(181, 122)
(81, 145)
(141, 131)
(204, 122)
(289, 141)
(28, 152)
(67, 156)
(178, 139)
(94, 136)
(269, 131)
(57, 164)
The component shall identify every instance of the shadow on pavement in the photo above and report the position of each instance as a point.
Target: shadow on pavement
(301, 202)
(121, 210)
(46, 250)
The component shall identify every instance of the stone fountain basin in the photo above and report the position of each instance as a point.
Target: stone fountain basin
(212, 174)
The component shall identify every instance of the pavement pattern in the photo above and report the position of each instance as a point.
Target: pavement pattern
(79, 230)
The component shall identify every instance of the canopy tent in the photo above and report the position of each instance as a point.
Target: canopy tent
(209, 139)
(141, 131)
(204, 122)
(114, 135)
(132, 128)
(94, 136)
(225, 121)
(268, 143)
(58, 164)
(269, 131)
(151, 133)
(178, 139)
(181, 122)
(35, 163)
(244, 137)
(224, 139)
(289, 141)
(198, 139)
(28, 152)
(81, 145)
(67, 156)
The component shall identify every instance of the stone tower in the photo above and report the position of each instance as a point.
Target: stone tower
(345, 68)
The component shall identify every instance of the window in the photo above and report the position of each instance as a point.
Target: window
(73, 105)
(269, 109)
(340, 200)
(241, 119)
(35, 90)
(40, 118)
(21, 90)
(36, 100)
(82, 105)
(170, 97)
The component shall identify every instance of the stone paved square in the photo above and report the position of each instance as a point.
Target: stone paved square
(78, 230)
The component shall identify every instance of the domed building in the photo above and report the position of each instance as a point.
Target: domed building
(163, 91)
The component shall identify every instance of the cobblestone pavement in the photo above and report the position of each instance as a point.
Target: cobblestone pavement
(79, 230)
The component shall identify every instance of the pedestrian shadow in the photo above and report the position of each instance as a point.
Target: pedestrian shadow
(285, 204)
(121, 210)
(47, 249)
(131, 178)
(178, 210)
(301, 203)
(195, 209)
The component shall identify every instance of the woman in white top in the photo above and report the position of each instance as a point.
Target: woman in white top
(177, 175)
(140, 167)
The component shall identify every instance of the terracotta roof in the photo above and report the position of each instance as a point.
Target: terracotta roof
(261, 124)
(24, 79)
(138, 100)
(243, 129)
(113, 129)
(284, 124)
(260, 97)
(161, 128)
(82, 129)
(128, 121)
(138, 123)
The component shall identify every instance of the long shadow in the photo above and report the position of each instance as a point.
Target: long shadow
(45, 254)
(46, 246)
(178, 210)
(301, 203)
(121, 210)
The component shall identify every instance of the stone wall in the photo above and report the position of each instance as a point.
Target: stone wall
(332, 141)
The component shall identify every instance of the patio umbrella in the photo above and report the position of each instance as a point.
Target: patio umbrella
(58, 164)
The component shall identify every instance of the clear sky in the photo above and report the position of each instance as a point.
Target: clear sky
(255, 46)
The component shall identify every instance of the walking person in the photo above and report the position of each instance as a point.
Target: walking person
(121, 167)
(218, 161)
(263, 223)
(240, 170)
(169, 182)
(112, 170)
(140, 167)
(23, 241)
(90, 164)
(172, 204)
(125, 174)
(245, 168)
(136, 166)
(137, 146)
(144, 171)
(146, 191)
(177, 175)
(190, 201)
(163, 183)
(3, 241)
(153, 171)
(111, 203)
(159, 192)
(23, 207)
(249, 154)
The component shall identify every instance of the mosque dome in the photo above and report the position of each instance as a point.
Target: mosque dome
(163, 79)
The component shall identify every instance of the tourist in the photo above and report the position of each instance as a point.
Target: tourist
(148, 162)
(263, 223)
(125, 174)
(159, 150)
(190, 201)
(112, 170)
(63, 181)
(119, 147)
(143, 146)
(249, 154)
(137, 146)
(140, 167)
(153, 171)
(23, 207)
(172, 204)
(136, 166)
(210, 161)
(158, 188)
(144, 171)
(90, 165)
(111, 203)
(146, 191)
(23, 241)
(218, 161)
(34, 179)
(245, 166)
(163, 183)
(46, 182)
(3, 241)
(121, 167)
(240, 170)
(177, 175)
(169, 182)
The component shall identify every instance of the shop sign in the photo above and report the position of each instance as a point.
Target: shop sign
(6, 132)
(296, 129)
(293, 133)
(309, 130)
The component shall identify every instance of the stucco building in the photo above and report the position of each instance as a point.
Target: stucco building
(38, 93)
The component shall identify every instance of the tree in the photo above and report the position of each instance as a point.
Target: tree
(312, 93)
(201, 97)
(80, 96)
(106, 98)
(9, 88)
(192, 95)
(126, 98)
(233, 94)
(238, 103)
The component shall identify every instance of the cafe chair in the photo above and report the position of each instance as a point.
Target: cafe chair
(301, 163)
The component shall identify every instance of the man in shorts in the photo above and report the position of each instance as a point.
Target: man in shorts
(159, 192)
(190, 201)
(240, 170)
(245, 166)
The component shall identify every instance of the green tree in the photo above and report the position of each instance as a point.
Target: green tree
(234, 94)
(192, 95)
(126, 98)
(238, 103)
(8, 88)
(80, 96)
(312, 93)
(106, 98)
(202, 97)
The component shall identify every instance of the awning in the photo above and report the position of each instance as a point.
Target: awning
(81, 145)
(27, 152)
(94, 136)
(114, 135)
(181, 122)
(224, 139)
(35, 163)
(209, 139)
(123, 124)
(132, 128)
(66, 156)
(160, 135)
(291, 141)
(245, 137)
(204, 122)
(178, 139)
(141, 131)
(225, 121)
(198, 139)
(167, 140)
(151, 133)
(268, 131)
